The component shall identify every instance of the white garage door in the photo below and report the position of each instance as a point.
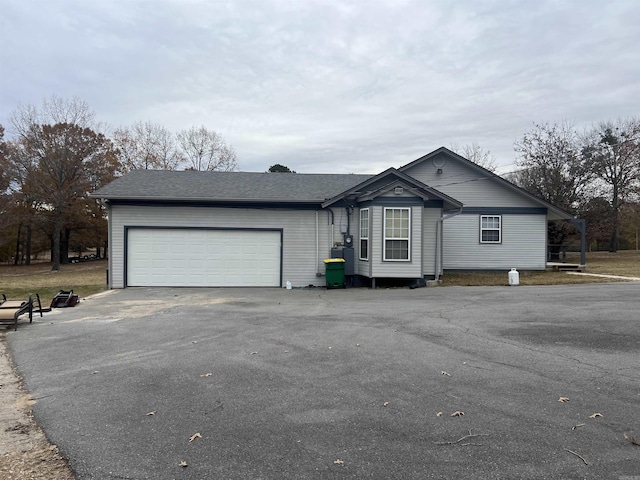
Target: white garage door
(203, 258)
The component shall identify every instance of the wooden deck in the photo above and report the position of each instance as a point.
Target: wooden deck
(565, 267)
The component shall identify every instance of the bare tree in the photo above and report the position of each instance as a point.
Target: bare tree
(5, 196)
(477, 154)
(614, 148)
(554, 168)
(145, 146)
(4, 164)
(167, 154)
(205, 150)
(53, 110)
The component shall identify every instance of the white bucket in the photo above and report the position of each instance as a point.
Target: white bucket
(288, 285)
(514, 277)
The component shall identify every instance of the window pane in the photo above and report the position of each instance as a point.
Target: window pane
(364, 249)
(396, 223)
(490, 235)
(397, 249)
(364, 223)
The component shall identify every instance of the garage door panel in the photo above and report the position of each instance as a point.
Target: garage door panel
(191, 257)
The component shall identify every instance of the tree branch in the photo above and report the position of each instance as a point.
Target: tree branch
(471, 435)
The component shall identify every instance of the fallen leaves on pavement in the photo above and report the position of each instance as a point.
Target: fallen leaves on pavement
(629, 438)
(457, 413)
(194, 436)
(563, 399)
(595, 415)
(151, 413)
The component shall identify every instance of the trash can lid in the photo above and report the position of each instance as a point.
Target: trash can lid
(334, 260)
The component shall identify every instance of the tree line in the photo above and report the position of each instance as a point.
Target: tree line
(57, 154)
(593, 174)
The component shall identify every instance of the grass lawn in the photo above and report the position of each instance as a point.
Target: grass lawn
(90, 277)
(83, 278)
(623, 263)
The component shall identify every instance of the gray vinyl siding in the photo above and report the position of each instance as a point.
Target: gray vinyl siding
(523, 244)
(387, 269)
(430, 220)
(300, 261)
(466, 185)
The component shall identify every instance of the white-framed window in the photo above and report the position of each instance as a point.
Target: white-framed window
(397, 229)
(364, 234)
(490, 228)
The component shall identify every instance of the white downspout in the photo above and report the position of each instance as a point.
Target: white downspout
(440, 241)
(317, 247)
(330, 223)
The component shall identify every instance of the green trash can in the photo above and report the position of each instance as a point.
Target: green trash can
(334, 272)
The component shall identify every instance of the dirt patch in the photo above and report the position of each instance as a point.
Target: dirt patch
(25, 453)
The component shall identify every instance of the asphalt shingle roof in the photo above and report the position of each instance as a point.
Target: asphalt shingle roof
(163, 185)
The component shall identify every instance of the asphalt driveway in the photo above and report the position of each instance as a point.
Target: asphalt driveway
(346, 384)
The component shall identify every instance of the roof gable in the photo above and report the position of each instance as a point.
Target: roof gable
(480, 174)
(384, 182)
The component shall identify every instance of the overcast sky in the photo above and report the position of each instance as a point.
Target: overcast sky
(327, 86)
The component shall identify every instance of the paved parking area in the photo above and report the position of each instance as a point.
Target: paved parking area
(353, 384)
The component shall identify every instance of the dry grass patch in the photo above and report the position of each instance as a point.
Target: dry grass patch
(526, 278)
(83, 278)
(624, 263)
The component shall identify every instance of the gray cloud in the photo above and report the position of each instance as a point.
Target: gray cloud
(329, 86)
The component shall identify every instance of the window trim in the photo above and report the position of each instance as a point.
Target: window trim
(363, 238)
(499, 230)
(385, 238)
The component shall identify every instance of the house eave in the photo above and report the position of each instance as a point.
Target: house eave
(201, 200)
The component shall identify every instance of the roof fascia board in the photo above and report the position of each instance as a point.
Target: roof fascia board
(219, 204)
